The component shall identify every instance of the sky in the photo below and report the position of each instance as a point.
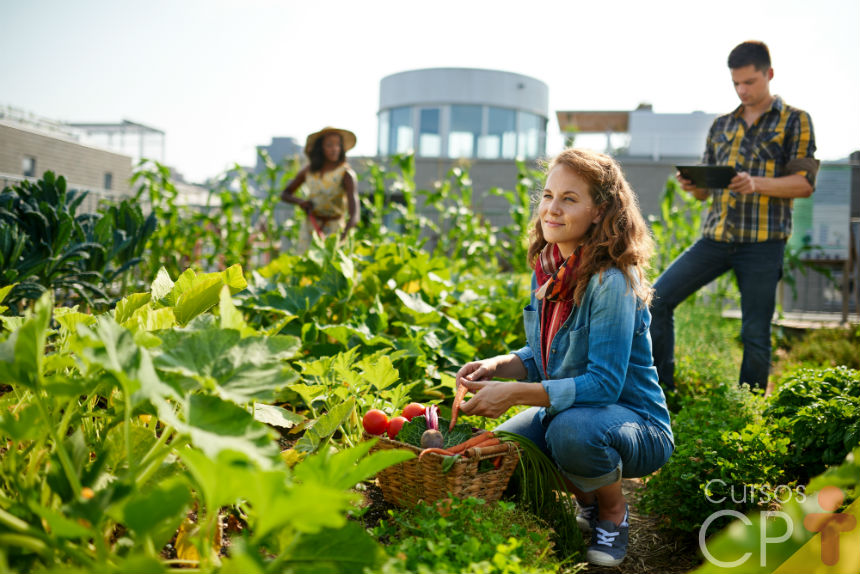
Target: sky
(221, 77)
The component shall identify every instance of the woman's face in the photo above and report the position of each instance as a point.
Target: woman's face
(566, 210)
(331, 147)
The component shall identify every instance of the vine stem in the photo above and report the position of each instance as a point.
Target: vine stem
(65, 461)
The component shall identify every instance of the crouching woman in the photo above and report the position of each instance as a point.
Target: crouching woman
(587, 370)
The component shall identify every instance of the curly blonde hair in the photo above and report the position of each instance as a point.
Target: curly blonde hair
(620, 239)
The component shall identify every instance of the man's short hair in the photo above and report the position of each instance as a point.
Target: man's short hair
(751, 53)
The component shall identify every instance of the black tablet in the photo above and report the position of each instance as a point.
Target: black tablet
(708, 176)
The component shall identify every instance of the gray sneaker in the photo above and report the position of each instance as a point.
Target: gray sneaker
(586, 516)
(609, 543)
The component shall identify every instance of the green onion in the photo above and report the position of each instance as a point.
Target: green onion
(539, 486)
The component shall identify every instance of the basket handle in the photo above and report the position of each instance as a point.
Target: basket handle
(479, 453)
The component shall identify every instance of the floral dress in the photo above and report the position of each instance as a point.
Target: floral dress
(325, 191)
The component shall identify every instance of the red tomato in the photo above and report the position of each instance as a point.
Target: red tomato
(395, 425)
(413, 410)
(375, 421)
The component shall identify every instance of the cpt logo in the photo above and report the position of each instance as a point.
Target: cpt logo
(828, 523)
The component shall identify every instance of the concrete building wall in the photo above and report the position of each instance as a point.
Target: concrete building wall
(464, 86)
(81, 165)
(668, 135)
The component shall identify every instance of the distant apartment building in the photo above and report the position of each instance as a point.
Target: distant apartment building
(129, 138)
(281, 149)
(30, 146)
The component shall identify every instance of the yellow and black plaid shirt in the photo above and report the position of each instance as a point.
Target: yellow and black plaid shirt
(779, 143)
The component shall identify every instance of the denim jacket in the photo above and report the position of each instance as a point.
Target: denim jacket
(601, 355)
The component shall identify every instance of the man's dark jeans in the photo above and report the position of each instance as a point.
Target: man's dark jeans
(758, 269)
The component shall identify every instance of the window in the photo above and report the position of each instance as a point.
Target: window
(531, 139)
(383, 133)
(28, 166)
(465, 130)
(501, 138)
(429, 140)
(400, 131)
(108, 180)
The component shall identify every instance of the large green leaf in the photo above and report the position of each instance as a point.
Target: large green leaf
(216, 425)
(198, 298)
(195, 295)
(223, 478)
(111, 347)
(23, 353)
(61, 526)
(22, 424)
(416, 304)
(275, 501)
(234, 278)
(146, 318)
(231, 317)
(5, 290)
(349, 335)
(157, 512)
(128, 305)
(239, 369)
(348, 467)
(289, 507)
(380, 373)
(242, 560)
(275, 416)
(115, 455)
(325, 426)
(162, 287)
(343, 551)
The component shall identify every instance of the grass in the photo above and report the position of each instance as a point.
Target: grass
(707, 347)
(819, 348)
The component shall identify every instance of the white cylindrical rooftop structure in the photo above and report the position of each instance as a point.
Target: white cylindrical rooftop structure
(463, 112)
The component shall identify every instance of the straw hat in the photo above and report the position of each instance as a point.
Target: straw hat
(347, 136)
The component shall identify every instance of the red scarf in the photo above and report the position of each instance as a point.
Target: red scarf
(556, 278)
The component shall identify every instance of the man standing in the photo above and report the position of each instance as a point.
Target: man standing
(771, 146)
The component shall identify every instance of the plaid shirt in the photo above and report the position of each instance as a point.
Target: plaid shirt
(779, 143)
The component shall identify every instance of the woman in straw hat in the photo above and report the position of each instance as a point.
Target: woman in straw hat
(330, 186)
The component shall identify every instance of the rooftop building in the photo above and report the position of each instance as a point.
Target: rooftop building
(463, 113)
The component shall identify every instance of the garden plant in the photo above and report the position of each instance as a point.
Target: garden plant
(179, 389)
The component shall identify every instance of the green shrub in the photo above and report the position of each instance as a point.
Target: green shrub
(468, 535)
(46, 245)
(818, 412)
(720, 441)
(824, 348)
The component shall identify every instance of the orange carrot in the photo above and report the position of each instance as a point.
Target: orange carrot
(435, 450)
(474, 441)
(458, 398)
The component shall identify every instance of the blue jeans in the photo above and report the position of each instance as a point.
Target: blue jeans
(595, 446)
(758, 269)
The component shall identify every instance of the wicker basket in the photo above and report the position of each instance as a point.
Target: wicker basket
(409, 482)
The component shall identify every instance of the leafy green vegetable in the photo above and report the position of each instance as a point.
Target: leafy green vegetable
(412, 431)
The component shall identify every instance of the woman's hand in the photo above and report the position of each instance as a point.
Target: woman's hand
(492, 398)
(482, 370)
